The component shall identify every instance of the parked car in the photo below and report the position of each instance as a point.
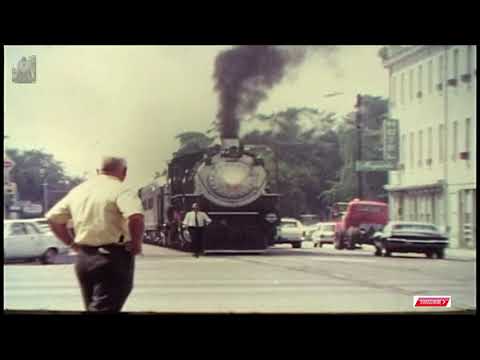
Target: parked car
(25, 239)
(310, 223)
(290, 231)
(309, 230)
(416, 237)
(325, 234)
(42, 223)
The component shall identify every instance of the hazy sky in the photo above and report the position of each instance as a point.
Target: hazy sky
(133, 100)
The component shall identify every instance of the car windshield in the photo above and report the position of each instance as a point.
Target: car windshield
(415, 227)
(289, 224)
(328, 227)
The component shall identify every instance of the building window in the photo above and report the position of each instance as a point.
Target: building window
(420, 148)
(440, 143)
(410, 82)
(429, 146)
(393, 90)
(403, 148)
(440, 69)
(467, 76)
(412, 150)
(455, 141)
(402, 89)
(455, 64)
(420, 80)
(430, 76)
(467, 135)
(469, 59)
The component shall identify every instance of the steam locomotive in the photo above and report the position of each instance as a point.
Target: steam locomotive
(230, 185)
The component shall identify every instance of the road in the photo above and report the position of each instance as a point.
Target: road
(283, 280)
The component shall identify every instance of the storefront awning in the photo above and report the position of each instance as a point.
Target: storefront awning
(417, 189)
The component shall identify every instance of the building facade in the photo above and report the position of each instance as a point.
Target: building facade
(433, 95)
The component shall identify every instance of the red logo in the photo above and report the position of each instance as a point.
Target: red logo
(432, 301)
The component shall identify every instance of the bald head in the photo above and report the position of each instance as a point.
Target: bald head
(114, 166)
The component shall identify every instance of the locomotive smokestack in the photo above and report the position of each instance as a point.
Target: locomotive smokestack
(229, 142)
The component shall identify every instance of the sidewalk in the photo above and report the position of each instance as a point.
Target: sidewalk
(461, 254)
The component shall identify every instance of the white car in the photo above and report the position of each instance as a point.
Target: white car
(290, 231)
(324, 234)
(25, 239)
(309, 230)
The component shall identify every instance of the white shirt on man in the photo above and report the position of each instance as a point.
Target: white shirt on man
(202, 219)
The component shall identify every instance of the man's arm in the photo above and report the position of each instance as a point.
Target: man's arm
(61, 232)
(136, 226)
(207, 219)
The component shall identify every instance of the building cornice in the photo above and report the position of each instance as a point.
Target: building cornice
(406, 56)
(434, 187)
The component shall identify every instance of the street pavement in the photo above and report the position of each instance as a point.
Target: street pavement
(282, 280)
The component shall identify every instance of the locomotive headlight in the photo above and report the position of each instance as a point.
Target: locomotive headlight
(271, 217)
(234, 175)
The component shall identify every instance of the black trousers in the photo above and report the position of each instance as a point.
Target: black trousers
(196, 234)
(105, 275)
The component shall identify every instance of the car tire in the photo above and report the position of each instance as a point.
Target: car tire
(297, 245)
(49, 256)
(429, 254)
(386, 252)
(338, 243)
(378, 251)
(440, 253)
(320, 244)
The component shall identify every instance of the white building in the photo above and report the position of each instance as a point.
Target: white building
(433, 95)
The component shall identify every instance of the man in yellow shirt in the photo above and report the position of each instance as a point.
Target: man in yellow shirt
(109, 226)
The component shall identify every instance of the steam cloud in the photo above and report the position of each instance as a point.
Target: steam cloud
(245, 74)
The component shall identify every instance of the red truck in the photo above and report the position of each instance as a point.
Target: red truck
(359, 222)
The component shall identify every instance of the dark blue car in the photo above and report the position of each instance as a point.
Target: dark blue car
(410, 237)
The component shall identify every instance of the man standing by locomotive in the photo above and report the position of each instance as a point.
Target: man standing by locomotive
(196, 221)
(109, 225)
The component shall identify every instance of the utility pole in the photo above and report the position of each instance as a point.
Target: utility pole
(359, 136)
(45, 195)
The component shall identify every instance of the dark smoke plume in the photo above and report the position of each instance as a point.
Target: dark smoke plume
(245, 74)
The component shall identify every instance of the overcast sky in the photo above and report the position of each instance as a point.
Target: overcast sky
(133, 100)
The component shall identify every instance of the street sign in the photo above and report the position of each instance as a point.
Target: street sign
(390, 140)
(374, 165)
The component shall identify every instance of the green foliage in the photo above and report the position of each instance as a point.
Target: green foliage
(192, 142)
(372, 149)
(306, 150)
(32, 168)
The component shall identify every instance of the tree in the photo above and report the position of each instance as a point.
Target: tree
(32, 168)
(304, 156)
(192, 141)
(372, 149)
